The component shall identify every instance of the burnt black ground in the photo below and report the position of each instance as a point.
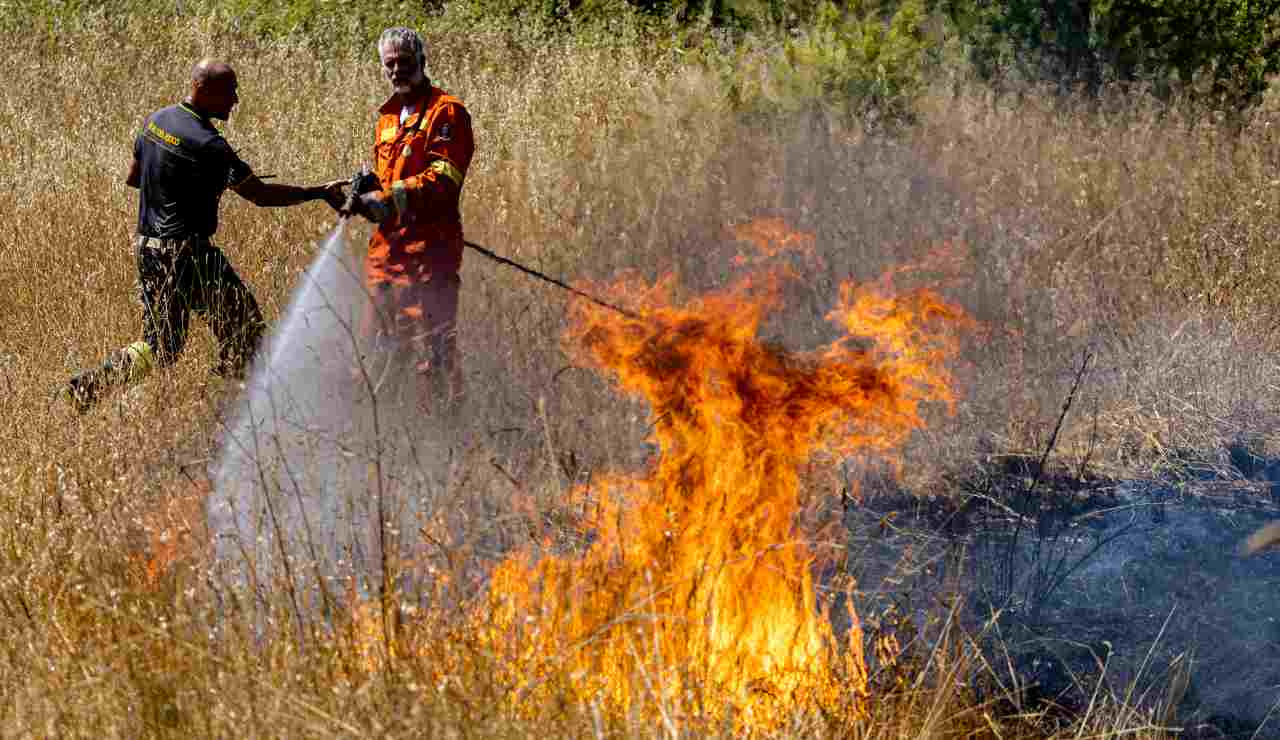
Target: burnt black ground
(1110, 585)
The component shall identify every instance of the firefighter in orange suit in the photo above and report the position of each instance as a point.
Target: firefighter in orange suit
(422, 148)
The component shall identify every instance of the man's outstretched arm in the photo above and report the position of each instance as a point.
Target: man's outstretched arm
(274, 195)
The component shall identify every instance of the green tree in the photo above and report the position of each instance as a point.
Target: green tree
(1219, 52)
(865, 59)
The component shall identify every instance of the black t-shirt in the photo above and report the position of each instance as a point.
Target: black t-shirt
(185, 165)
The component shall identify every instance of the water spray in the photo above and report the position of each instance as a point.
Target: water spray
(323, 455)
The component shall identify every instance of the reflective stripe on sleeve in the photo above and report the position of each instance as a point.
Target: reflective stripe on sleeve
(446, 168)
(400, 195)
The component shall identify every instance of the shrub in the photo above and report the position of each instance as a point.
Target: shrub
(1218, 52)
(866, 60)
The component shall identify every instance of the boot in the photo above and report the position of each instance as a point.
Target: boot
(82, 390)
(124, 366)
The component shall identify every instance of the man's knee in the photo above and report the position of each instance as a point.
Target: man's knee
(236, 321)
(166, 342)
(238, 350)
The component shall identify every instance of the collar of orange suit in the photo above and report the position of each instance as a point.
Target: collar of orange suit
(420, 102)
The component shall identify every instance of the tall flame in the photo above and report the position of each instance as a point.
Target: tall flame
(696, 588)
(697, 578)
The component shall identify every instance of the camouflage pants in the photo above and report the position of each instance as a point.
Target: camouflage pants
(181, 277)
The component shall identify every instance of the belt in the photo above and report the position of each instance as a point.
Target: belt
(173, 244)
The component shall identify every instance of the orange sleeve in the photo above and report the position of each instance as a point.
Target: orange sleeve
(450, 146)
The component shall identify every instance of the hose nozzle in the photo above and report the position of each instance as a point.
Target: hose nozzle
(357, 180)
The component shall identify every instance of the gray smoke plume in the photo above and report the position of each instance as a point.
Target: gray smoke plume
(324, 468)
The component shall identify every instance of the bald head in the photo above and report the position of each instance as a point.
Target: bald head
(213, 88)
(211, 71)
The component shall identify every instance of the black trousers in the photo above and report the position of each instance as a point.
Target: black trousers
(178, 278)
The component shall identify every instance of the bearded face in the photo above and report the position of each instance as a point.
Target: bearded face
(402, 68)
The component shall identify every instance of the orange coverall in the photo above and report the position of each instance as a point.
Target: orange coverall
(414, 255)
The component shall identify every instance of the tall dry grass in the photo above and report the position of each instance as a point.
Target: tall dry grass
(1122, 228)
(1058, 225)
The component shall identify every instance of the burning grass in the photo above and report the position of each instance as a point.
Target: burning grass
(696, 572)
(621, 601)
(692, 588)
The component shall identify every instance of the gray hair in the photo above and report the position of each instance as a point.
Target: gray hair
(404, 38)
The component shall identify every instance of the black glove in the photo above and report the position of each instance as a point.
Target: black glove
(362, 182)
(365, 182)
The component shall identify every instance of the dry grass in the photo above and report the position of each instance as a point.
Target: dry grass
(1120, 228)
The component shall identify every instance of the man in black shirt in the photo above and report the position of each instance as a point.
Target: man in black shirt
(181, 166)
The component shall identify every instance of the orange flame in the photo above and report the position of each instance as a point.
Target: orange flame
(172, 533)
(950, 261)
(772, 237)
(697, 579)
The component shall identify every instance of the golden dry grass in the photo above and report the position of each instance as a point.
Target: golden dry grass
(1121, 228)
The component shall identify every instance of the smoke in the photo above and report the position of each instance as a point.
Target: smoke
(323, 469)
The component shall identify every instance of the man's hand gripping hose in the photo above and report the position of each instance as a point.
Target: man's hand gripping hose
(365, 198)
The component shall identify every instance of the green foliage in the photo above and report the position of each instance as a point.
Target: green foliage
(1217, 52)
(321, 23)
(1024, 38)
(66, 15)
(335, 20)
(867, 60)
(1221, 51)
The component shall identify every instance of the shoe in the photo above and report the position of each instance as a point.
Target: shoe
(79, 392)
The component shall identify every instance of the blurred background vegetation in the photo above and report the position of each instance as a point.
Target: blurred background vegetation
(859, 56)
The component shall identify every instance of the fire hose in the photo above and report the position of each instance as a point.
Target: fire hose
(349, 208)
(559, 284)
